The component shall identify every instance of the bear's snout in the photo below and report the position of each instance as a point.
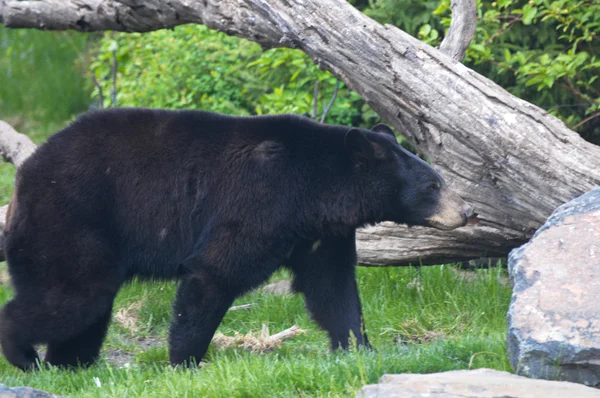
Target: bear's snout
(452, 212)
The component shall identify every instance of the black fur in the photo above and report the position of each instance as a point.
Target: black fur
(218, 202)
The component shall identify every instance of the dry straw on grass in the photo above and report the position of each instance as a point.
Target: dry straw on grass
(263, 343)
(128, 317)
(4, 278)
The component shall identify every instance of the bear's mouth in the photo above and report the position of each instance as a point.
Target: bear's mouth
(438, 222)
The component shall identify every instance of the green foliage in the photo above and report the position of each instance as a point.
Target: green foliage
(546, 52)
(188, 68)
(408, 15)
(419, 320)
(193, 67)
(561, 64)
(292, 75)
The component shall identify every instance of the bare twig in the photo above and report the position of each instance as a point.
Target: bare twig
(283, 335)
(333, 97)
(99, 87)
(462, 29)
(263, 343)
(506, 29)
(587, 119)
(315, 98)
(241, 307)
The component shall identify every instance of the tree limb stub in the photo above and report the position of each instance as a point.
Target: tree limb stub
(462, 29)
(510, 159)
(14, 147)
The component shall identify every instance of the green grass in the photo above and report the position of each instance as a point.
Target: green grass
(419, 320)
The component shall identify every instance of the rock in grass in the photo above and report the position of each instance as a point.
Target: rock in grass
(23, 392)
(480, 383)
(554, 315)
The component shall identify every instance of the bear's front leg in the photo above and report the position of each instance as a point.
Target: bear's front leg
(325, 273)
(199, 307)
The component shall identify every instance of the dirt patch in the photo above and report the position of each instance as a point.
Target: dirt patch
(146, 343)
(119, 358)
(125, 358)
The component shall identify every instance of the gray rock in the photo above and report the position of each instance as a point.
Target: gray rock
(480, 383)
(554, 314)
(23, 392)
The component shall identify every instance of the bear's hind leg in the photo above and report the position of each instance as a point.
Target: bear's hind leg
(82, 349)
(63, 299)
(17, 345)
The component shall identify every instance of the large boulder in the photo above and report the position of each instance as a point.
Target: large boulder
(480, 383)
(554, 314)
(23, 392)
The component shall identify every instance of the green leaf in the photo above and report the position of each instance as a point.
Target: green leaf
(529, 14)
(424, 31)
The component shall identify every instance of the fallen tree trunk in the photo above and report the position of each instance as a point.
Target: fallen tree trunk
(511, 160)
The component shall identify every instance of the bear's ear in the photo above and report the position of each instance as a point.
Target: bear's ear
(363, 151)
(384, 129)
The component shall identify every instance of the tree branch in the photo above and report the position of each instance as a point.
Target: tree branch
(511, 160)
(14, 147)
(331, 102)
(232, 17)
(462, 29)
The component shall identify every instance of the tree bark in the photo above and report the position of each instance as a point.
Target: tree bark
(511, 160)
(14, 147)
(462, 29)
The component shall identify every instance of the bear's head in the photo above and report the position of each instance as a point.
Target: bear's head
(400, 186)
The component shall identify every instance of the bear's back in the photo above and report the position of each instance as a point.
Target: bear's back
(159, 180)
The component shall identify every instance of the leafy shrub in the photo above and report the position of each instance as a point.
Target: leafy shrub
(189, 67)
(543, 51)
(193, 67)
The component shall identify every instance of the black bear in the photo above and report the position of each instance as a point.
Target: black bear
(218, 202)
